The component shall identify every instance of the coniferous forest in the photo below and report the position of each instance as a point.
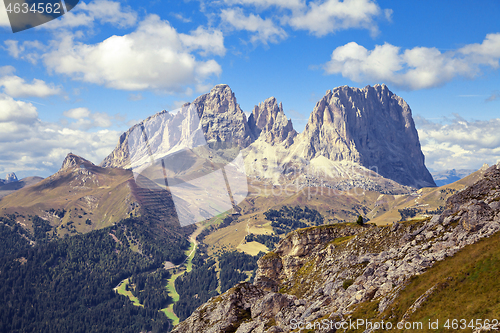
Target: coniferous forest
(197, 286)
(49, 284)
(290, 218)
(66, 285)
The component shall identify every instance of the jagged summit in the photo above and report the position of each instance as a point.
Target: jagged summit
(222, 119)
(371, 128)
(268, 121)
(10, 178)
(72, 161)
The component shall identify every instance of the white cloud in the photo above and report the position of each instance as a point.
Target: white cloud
(30, 146)
(417, 68)
(12, 110)
(101, 119)
(13, 48)
(182, 18)
(77, 113)
(135, 97)
(487, 53)
(110, 12)
(7, 70)
(458, 143)
(18, 50)
(103, 11)
(319, 18)
(324, 17)
(85, 119)
(17, 87)
(69, 20)
(208, 42)
(155, 56)
(265, 29)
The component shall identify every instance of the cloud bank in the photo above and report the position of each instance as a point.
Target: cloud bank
(416, 68)
(458, 143)
(319, 18)
(155, 57)
(29, 146)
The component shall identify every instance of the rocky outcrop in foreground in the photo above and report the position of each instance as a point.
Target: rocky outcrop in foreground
(325, 272)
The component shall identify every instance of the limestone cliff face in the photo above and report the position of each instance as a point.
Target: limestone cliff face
(327, 272)
(10, 178)
(268, 122)
(349, 127)
(223, 122)
(372, 127)
(72, 161)
(476, 204)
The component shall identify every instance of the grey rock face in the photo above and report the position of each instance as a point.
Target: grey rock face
(223, 122)
(225, 312)
(476, 204)
(268, 121)
(370, 126)
(10, 178)
(72, 161)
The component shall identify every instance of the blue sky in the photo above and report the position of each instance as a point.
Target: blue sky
(76, 83)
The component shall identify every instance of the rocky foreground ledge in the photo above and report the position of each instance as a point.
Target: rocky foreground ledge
(325, 272)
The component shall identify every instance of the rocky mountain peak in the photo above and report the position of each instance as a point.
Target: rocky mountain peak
(73, 161)
(269, 122)
(372, 127)
(10, 178)
(223, 122)
(369, 127)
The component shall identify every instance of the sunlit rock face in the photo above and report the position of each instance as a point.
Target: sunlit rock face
(351, 134)
(372, 127)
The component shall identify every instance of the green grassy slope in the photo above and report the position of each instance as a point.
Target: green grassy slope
(465, 286)
(103, 198)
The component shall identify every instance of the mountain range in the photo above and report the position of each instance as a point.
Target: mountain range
(11, 184)
(449, 176)
(82, 194)
(117, 223)
(366, 136)
(355, 138)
